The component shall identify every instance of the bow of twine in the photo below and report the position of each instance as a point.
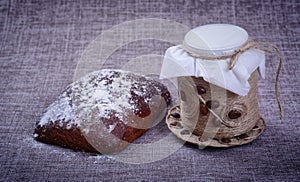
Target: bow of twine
(262, 46)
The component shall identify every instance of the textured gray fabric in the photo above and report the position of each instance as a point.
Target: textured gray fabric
(42, 42)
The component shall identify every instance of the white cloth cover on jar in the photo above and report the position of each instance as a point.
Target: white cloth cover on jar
(177, 62)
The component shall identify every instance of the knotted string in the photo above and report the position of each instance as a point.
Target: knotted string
(234, 56)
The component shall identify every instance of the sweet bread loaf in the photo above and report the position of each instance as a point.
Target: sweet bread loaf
(103, 112)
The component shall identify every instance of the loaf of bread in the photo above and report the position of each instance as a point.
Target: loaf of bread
(103, 112)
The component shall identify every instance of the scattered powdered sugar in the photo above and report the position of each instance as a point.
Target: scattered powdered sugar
(30, 141)
(96, 96)
(99, 159)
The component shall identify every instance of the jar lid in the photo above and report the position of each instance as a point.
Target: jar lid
(215, 37)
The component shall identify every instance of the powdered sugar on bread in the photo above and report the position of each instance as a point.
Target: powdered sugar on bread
(107, 92)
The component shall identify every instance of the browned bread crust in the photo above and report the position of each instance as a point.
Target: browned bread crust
(103, 112)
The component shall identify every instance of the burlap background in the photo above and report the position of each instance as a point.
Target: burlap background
(41, 44)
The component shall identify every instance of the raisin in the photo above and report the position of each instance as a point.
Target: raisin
(212, 104)
(201, 90)
(175, 115)
(234, 114)
(203, 109)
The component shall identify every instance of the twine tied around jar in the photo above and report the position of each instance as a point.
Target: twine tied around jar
(262, 46)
